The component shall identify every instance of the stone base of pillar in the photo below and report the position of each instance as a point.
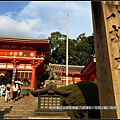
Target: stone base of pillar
(56, 82)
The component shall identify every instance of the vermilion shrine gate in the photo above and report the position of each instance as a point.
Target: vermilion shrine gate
(27, 55)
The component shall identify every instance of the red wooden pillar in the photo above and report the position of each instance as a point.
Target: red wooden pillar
(34, 78)
(38, 72)
(36, 81)
(95, 77)
(72, 78)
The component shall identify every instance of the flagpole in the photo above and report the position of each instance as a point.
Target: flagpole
(67, 50)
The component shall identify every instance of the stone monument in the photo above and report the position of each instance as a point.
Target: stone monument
(49, 97)
(106, 24)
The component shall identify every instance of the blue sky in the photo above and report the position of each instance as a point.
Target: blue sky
(40, 18)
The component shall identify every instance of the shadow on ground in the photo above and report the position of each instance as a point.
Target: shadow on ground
(5, 111)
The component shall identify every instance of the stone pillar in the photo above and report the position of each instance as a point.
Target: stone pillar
(106, 24)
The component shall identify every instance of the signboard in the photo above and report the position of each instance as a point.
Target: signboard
(26, 53)
(47, 101)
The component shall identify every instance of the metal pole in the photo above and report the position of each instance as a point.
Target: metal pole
(67, 50)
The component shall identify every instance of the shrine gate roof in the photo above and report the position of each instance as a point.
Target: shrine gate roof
(71, 68)
(24, 40)
(40, 45)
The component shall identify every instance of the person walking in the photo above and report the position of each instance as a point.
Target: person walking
(15, 92)
(7, 92)
(2, 87)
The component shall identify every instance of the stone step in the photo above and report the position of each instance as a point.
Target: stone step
(5, 109)
(1, 111)
(26, 98)
(17, 112)
(17, 102)
(7, 106)
(21, 112)
(4, 112)
(23, 108)
(19, 107)
(29, 102)
(49, 117)
(12, 101)
(13, 116)
(17, 115)
(25, 105)
(20, 100)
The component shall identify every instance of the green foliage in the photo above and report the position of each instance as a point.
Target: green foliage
(81, 97)
(5, 80)
(58, 50)
(79, 50)
(45, 66)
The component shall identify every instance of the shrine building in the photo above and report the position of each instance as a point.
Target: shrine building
(77, 73)
(26, 56)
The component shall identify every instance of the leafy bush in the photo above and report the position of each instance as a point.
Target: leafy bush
(82, 94)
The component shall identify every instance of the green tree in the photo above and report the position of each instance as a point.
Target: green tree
(79, 50)
(85, 48)
(58, 50)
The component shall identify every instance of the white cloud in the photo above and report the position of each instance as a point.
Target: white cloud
(40, 18)
(26, 28)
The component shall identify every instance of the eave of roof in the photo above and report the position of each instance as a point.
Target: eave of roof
(93, 59)
(71, 68)
(23, 39)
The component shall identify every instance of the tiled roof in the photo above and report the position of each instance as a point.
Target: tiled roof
(71, 68)
(23, 39)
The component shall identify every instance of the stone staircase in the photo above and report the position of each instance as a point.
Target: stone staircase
(23, 108)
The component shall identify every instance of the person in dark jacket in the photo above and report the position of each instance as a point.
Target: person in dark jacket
(15, 92)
